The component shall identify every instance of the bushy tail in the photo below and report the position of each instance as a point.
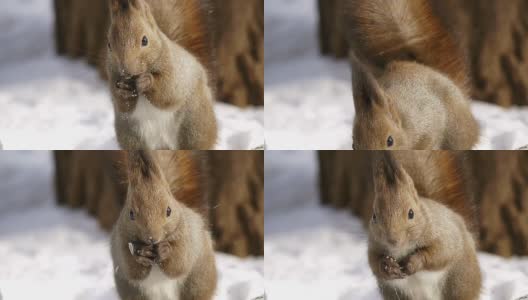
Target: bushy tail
(381, 31)
(446, 180)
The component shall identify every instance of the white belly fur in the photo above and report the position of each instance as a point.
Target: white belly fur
(157, 286)
(158, 128)
(422, 285)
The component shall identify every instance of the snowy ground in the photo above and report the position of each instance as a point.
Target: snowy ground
(49, 252)
(47, 102)
(313, 252)
(309, 98)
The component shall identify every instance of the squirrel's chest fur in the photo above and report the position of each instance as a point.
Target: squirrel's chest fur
(426, 285)
(158, 128)
(157, 286)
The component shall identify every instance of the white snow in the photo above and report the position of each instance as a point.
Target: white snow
(315, 252)
(51, 102)
(49, 252)
(309, 98)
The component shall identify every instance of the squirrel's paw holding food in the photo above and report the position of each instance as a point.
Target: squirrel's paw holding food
(164, 249)
(144, 255)
(144, 261)
(390, 269)
(411, 264)
(126, 96)
(144, 82)
(125, 90)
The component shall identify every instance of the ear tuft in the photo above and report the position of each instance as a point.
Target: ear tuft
(142, 162)
(120, 5)
(365, 87)
(387, 169)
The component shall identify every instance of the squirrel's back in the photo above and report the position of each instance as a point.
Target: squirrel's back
(382, 31)
(443, 177)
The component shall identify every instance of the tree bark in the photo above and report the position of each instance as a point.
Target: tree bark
(239, 40)
(332, 34)
(234, 183)
(493, 34)
(499, 184)
(238, 34)
(236, 196)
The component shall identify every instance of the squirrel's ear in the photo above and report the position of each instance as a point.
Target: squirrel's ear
(142, 165)
(119, 5)
(365, 87)
(134, 3)
(387, 169)
(388, 174)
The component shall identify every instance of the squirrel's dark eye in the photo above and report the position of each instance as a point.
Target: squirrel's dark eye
(144, 41)
(411, 213)
(390, 141)
(132, 216)
(169, 211)
(374, 218)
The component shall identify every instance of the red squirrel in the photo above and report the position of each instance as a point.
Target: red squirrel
(422, 233)
(409, 78)
(161, 245)
(159, 68)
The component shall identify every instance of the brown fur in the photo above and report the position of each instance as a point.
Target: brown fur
(384, 31)
(401, 53)
(451, 187)
(436, 238)
(186, 181)
(442, 176)
(173, 71)
(178, 243)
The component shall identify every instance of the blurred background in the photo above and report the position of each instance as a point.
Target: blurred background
(57, 208)
(308, 84)
(317, 205)
(52, 89)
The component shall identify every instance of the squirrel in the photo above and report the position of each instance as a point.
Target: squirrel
(161, 246)
(422, 233)
(409, 79)
(159, 68)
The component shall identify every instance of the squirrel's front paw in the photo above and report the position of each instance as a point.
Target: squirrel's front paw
(390, 269)
(125, 90)
(125, 96)
(145, 255)
(144, 261)
(164, 249)
(144, 82)
(411, 264)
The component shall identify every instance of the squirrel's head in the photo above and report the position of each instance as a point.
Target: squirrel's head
(377, 125)
(134, 42)
(398, 218)
(151, 213)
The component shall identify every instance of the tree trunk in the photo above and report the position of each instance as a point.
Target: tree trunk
(332, 35)
(493, 34)
(239, 40)
(89, 180)
(236, 195)
(238, 31)
(234, 189)
(500, 186)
